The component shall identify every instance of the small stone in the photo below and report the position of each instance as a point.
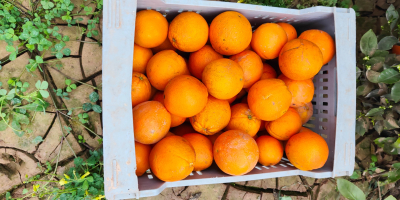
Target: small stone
(208, 192)
(291, 183)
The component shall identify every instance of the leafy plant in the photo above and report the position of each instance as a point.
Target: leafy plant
(83, 181)
(16, 104)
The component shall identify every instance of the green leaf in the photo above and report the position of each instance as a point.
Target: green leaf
(44, 93)
(85, 185)
(58, 46)
(3, 92)
(44, 85)
(20, 118)
(67, 51)
(396, 165)
(395, 93)
(78, 161)
(368, 43)
(37, 85)
(349, 190)
(94, 97)
(68, 89)
(374, 158)
(17, 128)
(59, 55)
(389, 76)
(285, 198)
(37, 140)
(390, 198)
(65, 38)
(373, 76)
(3, 125)
(26, 84)
(24, 191)
(10, 48)
(394, 175)
(392, 15)
(12, 56)
(87, 107)
(34, 33)
(96, 108)
(375, 112)
(68, 81)
(73, 86)
(387, 42)
(356, 175)
(39, 59)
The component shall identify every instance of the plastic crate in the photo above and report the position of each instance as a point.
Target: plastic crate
(334, 101)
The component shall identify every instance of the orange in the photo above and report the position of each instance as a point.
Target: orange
(164, 66)
(396, 49)
(304, 129)
(305, 111)
(140, 89)
(151, 122)
(183, 129)
(188, 32)
(243, 119)
(141, 57)
(251, 64)
(268, 72)
(172, 159)
(307, 151)
(323, 40)
(271, 150)
(300, 59)
(151, 28)
(268, 40)
(203, 148)
(166, 45)
(302, 91)
(199, 60)
(175, 120)
(286, 126)
(185, 96)
(230, 33)
(223, 78)
(269, 99)
(289, 29)
(235, 152)
(213, 118)
(142, 153)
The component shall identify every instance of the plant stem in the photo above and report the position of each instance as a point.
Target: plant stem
(74, 79)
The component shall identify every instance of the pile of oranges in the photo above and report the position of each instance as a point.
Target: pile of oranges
(203, 93)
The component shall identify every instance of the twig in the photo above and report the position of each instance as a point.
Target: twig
(379, 190)
(73, 78)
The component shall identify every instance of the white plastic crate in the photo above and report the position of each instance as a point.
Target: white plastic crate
(334, 101)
